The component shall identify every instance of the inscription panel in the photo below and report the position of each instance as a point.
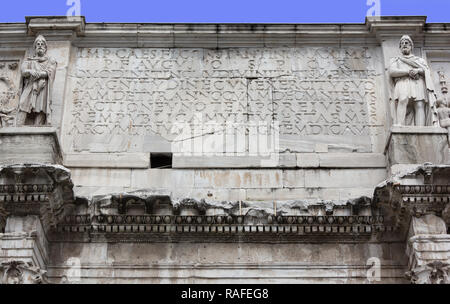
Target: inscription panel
(144, 100)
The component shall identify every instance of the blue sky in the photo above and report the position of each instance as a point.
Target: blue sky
(267, 11)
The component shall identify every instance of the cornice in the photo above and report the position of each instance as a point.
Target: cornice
(400, 199)
(55, 24)
(36, 189)
(223, 35)
(168, 228)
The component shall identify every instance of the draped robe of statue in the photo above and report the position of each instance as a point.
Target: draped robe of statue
(421, 89)
(36, 93)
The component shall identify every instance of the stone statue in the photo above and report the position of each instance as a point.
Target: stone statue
(413, 99)
(38, 74)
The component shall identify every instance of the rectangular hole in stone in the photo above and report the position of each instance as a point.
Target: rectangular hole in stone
(161, 160)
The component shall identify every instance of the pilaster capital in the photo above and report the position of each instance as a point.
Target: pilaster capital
(20, 272)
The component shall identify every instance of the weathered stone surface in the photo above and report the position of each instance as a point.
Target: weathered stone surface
(293, 179)
(26, 240)
(354, 160)
(96, 177)
(180, 161)
(414, 145)
(308, 160)
(29, 145)
(341, 160)
(227, 263)
(36, 190)
(107, 160)
(162, 179)
(428, 224)
(212, 91)
(343, 178)
(238, 179)
(277, 134)
(429, 259)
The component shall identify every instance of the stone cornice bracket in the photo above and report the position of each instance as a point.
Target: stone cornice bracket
(415, 193)
(386, 27)
(42, 190)
(416, 201)
(56, 26)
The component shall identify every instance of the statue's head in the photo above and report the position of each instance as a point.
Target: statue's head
(441, 103)
(40, 46)
(406, 45)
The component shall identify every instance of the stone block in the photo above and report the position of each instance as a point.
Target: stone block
(27, 145)
(24, 240)
(308, 160)
(312, 178)
(417, 145)
(293, 178)
(162, 179)
(286, 160)
(341, 160)
(321, 148)
(344, 178)
(242, 179)
(352, 160)
(107, 160)
(214, 195)
(180, 161)
(95, 177)
(423, 249)
(292, 194)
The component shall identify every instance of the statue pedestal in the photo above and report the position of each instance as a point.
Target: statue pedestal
(27, 145)
(409, 145)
